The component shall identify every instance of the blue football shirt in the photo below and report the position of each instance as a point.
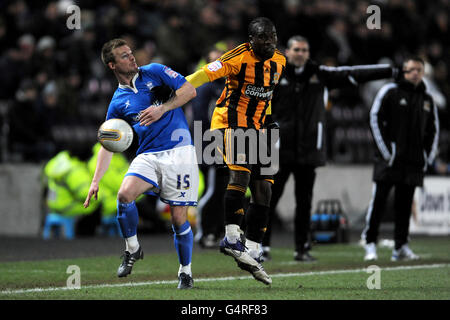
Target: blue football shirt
(171, 130)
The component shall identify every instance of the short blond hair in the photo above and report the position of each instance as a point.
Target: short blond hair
(108, 47)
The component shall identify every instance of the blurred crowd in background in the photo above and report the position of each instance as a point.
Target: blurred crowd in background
(54, 90)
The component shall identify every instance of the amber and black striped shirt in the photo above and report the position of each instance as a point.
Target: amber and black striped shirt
(248, 89)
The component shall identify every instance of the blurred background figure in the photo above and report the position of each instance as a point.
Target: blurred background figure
(30, 136)
(405, 126)
(68, 181)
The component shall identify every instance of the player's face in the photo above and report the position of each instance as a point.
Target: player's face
(264, 41)
(298, 53)
(125, 63)
(414, 71)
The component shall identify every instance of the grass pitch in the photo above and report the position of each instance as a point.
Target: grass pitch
(339, 274)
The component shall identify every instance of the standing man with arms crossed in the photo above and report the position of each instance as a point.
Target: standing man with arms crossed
(405, 126)
(165, 164)
(299, 107)
(252, 70)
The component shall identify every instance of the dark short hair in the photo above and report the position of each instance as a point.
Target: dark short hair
(296, 38)
(260, 21)
(108, 47)
(414, 58)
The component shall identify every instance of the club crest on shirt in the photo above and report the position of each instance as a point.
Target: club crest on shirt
(426, 106)
(150, 85)
(276, 77)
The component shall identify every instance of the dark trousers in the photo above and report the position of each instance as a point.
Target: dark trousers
(403, 199)
(304, 177)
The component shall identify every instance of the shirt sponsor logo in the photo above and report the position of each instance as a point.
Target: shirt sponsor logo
(214, 66)
(261, 93)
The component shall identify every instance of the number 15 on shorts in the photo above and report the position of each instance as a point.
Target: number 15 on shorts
(183, 181)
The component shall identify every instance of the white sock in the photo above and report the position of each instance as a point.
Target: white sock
(233, 233)
(252, 245)
(254, 248)
(131, 244)
(186, 269)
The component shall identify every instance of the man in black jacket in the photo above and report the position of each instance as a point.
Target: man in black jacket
(405, 126)
(298, 106)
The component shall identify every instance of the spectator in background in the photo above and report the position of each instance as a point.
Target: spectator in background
(30, 132)
(68, 95)
(174, 51)
(16, 65)
(46, 56)
(405, 126)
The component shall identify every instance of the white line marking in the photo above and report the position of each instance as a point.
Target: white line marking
(278, 275)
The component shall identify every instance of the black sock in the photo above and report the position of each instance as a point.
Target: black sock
(234, 204)
(257, 218)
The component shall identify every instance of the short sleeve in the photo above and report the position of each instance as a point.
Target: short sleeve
(223, 67)
(165, 75)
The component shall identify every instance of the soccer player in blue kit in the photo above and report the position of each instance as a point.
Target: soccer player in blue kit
(165, 164)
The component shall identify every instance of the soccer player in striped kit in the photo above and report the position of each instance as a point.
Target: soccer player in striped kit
(252, 71)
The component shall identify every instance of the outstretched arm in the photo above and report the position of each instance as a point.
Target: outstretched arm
(198, 78)
(103, 161)
(337, 77)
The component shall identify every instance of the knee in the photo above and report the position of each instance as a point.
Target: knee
(125, 195)
(178, 215)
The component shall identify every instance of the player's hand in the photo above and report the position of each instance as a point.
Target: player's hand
(151, 114)
(93, 191)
